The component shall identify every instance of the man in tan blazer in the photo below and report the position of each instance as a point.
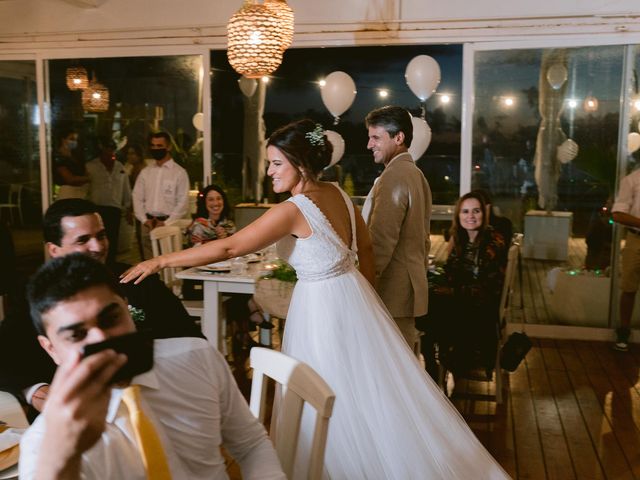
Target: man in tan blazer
(397, 212)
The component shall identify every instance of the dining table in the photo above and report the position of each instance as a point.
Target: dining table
(215, 284)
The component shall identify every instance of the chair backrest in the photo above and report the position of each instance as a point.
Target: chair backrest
(509, 276)
(167, 239)
(15, 190)
(300, 385)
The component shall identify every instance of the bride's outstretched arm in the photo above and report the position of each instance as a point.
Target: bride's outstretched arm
(365, 250)
(279, 221)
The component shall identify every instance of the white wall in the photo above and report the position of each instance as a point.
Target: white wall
(34, 25)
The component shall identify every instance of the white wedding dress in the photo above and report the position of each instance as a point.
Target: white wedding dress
(390, 420)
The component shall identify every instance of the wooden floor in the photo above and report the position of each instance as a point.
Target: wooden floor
(571, 411)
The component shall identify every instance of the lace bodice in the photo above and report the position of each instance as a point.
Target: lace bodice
(323, 254)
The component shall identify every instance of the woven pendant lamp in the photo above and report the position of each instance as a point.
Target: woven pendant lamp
(254, 40)
(285, 13)
(77, 78)
(95, 98)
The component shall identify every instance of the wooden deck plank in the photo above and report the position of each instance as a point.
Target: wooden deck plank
(611, 436)
(555, 450)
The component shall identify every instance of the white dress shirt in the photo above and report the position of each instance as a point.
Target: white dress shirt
(161, 190)
(109, 188)
(194, 403)
(628, 199)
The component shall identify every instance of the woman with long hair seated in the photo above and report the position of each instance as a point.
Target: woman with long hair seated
(474, 275)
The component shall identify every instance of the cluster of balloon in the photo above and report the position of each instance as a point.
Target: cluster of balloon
(567, 151)
(633, 142)
(557, 75)
(337, 142)
(423, 77)
(247, 86)
(338, 93)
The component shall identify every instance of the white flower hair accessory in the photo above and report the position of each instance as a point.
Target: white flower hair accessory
(316, 136)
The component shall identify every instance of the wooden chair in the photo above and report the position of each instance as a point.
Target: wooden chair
(11, 411)
(300, 385)
(168, 239)
(14, 201)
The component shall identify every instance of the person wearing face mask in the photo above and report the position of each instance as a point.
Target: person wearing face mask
(109, 189)
(69, 173)
(161, 192)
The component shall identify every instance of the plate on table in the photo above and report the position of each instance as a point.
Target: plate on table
(252, 258)
(220, 267)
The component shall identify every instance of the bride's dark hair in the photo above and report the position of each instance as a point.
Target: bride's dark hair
(304, 144)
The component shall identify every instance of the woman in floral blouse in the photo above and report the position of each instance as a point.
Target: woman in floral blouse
(474, 275)
(212, 217)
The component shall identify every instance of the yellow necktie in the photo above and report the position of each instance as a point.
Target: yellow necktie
(153, 456)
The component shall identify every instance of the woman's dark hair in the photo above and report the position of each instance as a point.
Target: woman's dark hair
(136, 148)
(304, 144)
(458, 233)
(202, 211)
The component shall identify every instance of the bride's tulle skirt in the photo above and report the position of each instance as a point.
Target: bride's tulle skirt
(390, 420)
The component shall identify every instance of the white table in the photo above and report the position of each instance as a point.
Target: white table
(215, 284)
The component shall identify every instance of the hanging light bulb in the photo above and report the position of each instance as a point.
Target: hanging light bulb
(590, 104)
(77, 78)
(285, 13)
(95, 98)
(254, 40)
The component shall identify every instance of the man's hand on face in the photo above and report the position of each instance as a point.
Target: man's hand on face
(76, 410)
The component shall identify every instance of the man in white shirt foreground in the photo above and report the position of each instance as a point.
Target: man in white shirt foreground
(161, 192)
(190, 395)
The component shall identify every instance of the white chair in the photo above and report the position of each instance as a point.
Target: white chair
(168, 239)
(14, 201)
(300, 385)
(11, 411)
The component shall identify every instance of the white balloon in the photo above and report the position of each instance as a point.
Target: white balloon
(338, 93)
(421, 138)
(557, 75)
(337, 142)
(198, 121)
(247, 86)
(633, 142)
(567, 151)
(423, 76)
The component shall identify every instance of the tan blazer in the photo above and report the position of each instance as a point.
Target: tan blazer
(400, 212)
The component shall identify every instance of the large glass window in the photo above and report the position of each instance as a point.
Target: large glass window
(20, 197)
(145, 95)
(293, 92)
(545, 138)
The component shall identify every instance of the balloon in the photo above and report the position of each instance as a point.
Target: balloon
(567, 151)
(423, 76)
(421, 138)
(633, 142)
(198, 121)
(338, 93)
(557, 75)
(337, 142)
(247, 86)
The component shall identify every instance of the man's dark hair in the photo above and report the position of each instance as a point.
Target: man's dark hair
(164, 135)
(68, 207)
(394, 120)
(61, 278)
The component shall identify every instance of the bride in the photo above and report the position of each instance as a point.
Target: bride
(390, 419)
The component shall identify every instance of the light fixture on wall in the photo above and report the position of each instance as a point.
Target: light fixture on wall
(95, 98)
(257, 37)
(77, 78)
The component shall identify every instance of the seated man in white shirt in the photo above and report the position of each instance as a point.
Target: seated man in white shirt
(190, 395)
